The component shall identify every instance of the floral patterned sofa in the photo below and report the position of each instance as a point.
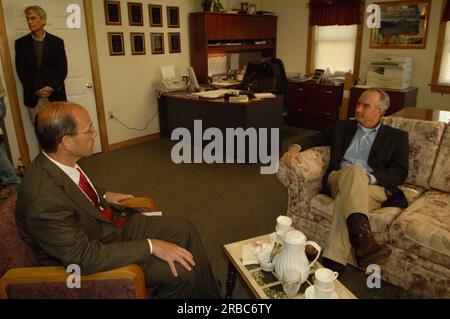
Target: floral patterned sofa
(418, 235)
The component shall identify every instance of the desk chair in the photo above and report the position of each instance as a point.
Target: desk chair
(21, 276)
(267, 75)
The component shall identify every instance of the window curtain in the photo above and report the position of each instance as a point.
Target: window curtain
(332, 12)
(446, 15)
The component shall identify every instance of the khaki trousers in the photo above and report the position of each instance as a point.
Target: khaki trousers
(352, 193)
(42, 102)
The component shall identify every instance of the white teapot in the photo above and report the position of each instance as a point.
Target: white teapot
(292, 255)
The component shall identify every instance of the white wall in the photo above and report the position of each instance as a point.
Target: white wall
(292, 34)
(129, 81)
(292, 39)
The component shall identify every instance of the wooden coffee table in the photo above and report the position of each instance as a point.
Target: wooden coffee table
(265, 285)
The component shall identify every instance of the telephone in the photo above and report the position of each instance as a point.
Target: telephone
(171, 84)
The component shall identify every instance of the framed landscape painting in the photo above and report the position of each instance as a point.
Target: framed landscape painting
(404, 25)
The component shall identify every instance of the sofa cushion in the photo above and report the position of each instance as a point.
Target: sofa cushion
(424, 228)
(441, 173)
(424, 141)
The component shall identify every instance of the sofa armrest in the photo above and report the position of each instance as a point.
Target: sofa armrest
(138, 202)
(304, 180)
(310, 169)
(51, 282)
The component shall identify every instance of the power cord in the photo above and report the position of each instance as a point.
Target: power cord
(132, 128)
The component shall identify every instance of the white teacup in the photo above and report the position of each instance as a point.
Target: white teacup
(324, 279)
(284, 223)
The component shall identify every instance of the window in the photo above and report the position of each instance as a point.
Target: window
(440, 81)
(444, 73)
(335, 47)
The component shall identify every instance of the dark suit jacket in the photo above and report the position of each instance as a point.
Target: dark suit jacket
(52, 72)
(63, 227)
(388, 157)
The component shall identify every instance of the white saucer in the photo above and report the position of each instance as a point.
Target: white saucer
(309, 294)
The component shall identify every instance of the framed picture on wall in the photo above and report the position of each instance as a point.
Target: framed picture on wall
(157, 41)
(137, 43)
(135, 13)
(155, 13)
(173, 17)
(115, 40)
(112, 13)
(403, 25)
(174, 42)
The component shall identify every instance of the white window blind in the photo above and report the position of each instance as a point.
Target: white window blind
(335, 47)
(444, 73)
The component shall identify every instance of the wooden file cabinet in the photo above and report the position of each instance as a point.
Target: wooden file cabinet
(314, 106)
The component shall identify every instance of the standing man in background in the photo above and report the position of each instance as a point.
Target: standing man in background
(41, 63)
(10, 181)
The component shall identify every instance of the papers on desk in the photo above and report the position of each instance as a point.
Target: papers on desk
(265, 95)
(214, 94)
(226, 83)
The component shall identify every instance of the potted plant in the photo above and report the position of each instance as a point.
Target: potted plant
(215, 5)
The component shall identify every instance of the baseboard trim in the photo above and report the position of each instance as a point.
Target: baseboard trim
(134, 141)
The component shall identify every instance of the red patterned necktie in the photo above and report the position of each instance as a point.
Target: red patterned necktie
(89, 191)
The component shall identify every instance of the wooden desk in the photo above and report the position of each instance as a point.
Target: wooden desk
(421, 114)
(178, 109)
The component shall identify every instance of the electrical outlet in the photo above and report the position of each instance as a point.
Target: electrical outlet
(111, 114)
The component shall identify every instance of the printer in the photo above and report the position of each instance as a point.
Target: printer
(393, 72)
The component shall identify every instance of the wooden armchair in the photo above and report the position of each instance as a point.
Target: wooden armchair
(20, 276)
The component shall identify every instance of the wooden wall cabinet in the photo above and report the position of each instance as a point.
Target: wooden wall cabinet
(213, 33)
(314, 106)
(399, 99)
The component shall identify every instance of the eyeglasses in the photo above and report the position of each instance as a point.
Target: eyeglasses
(91, 130)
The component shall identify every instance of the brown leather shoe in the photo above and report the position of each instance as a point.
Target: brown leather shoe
(367, 249)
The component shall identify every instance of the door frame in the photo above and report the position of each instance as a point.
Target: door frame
(11, 87)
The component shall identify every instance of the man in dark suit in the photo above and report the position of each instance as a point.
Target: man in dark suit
(368, 161)
(68, 220)
(41, 63)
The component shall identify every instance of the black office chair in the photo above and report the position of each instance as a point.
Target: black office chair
(267, 75)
